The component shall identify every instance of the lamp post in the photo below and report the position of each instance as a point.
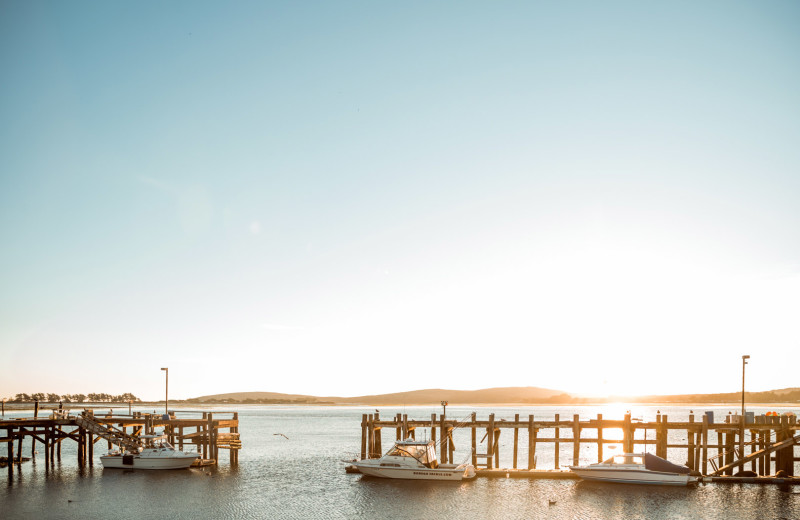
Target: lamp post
(744, 362)
(444, 408)
(166, 396)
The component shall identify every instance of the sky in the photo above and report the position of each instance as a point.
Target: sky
(351, 198)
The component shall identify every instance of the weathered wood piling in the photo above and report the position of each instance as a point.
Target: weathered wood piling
(765, 446)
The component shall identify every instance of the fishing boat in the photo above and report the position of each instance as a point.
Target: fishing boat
(155, 453)
(413, 460)
(636, 468)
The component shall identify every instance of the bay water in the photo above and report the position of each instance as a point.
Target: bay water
(292, 465)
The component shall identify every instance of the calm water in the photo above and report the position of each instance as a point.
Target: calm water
(303, 477)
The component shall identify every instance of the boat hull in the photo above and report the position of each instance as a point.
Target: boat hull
(136, 462)
(631, 476)
(442, 472)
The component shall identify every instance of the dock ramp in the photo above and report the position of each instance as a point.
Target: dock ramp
(113, 435)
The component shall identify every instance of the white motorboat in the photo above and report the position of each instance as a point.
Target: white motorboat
(414, 460)
(156, 453)
(636, 468)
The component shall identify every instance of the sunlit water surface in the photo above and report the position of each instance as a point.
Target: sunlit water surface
(303, 477)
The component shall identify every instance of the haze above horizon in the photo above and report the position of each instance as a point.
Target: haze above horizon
(359, 198)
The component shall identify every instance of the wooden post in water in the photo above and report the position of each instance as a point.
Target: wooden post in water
(705, 444)
(450, 445)
(377, 433)
(741, 440)
(399, 433)
(235, 452)
(599, 437)
(444, 443)
(784, 457)
(489, 441)
(212, 438)
(557, 444)
(627, 434)
(210, 435)
(763, 466)
(10, 452)
(363, 436)
(576, 439)
(90, 454)
(531, 443)
(496, 447)
(516, 439)
(690, 442)
(474, 442)
(731, 449)
(371, 436)
(53, 441)
(81, 447)
(46, 436)
(405, 426)
(433, 428)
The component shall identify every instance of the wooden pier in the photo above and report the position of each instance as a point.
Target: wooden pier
(203, 430)
(729, 451)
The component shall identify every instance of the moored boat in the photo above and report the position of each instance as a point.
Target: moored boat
(413, 460)
(636, 468)
(156, 453)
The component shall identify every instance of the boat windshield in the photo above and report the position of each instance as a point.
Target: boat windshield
(417, 451)
(625, 459)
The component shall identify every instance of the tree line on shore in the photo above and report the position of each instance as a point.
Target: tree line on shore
(228, 400)
(74, 398)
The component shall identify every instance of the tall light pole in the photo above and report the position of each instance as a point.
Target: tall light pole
(444, 408)
(744, 362)
(166, 396)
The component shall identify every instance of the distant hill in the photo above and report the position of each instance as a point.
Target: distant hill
(256, 396)
(524, 394)
(508, 395)
(517, 394)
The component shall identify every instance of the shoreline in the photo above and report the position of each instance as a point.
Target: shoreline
(179, 405)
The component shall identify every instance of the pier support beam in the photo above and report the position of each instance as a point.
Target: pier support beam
(531, 443)
(599, 437)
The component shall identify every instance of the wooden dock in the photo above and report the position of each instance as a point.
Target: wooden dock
(203, 430)
(761, 451)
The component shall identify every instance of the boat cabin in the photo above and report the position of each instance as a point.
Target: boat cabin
(155, 442)
(424, 452)
(648, 460)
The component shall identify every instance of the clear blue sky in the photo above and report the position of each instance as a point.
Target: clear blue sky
(345, 198)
